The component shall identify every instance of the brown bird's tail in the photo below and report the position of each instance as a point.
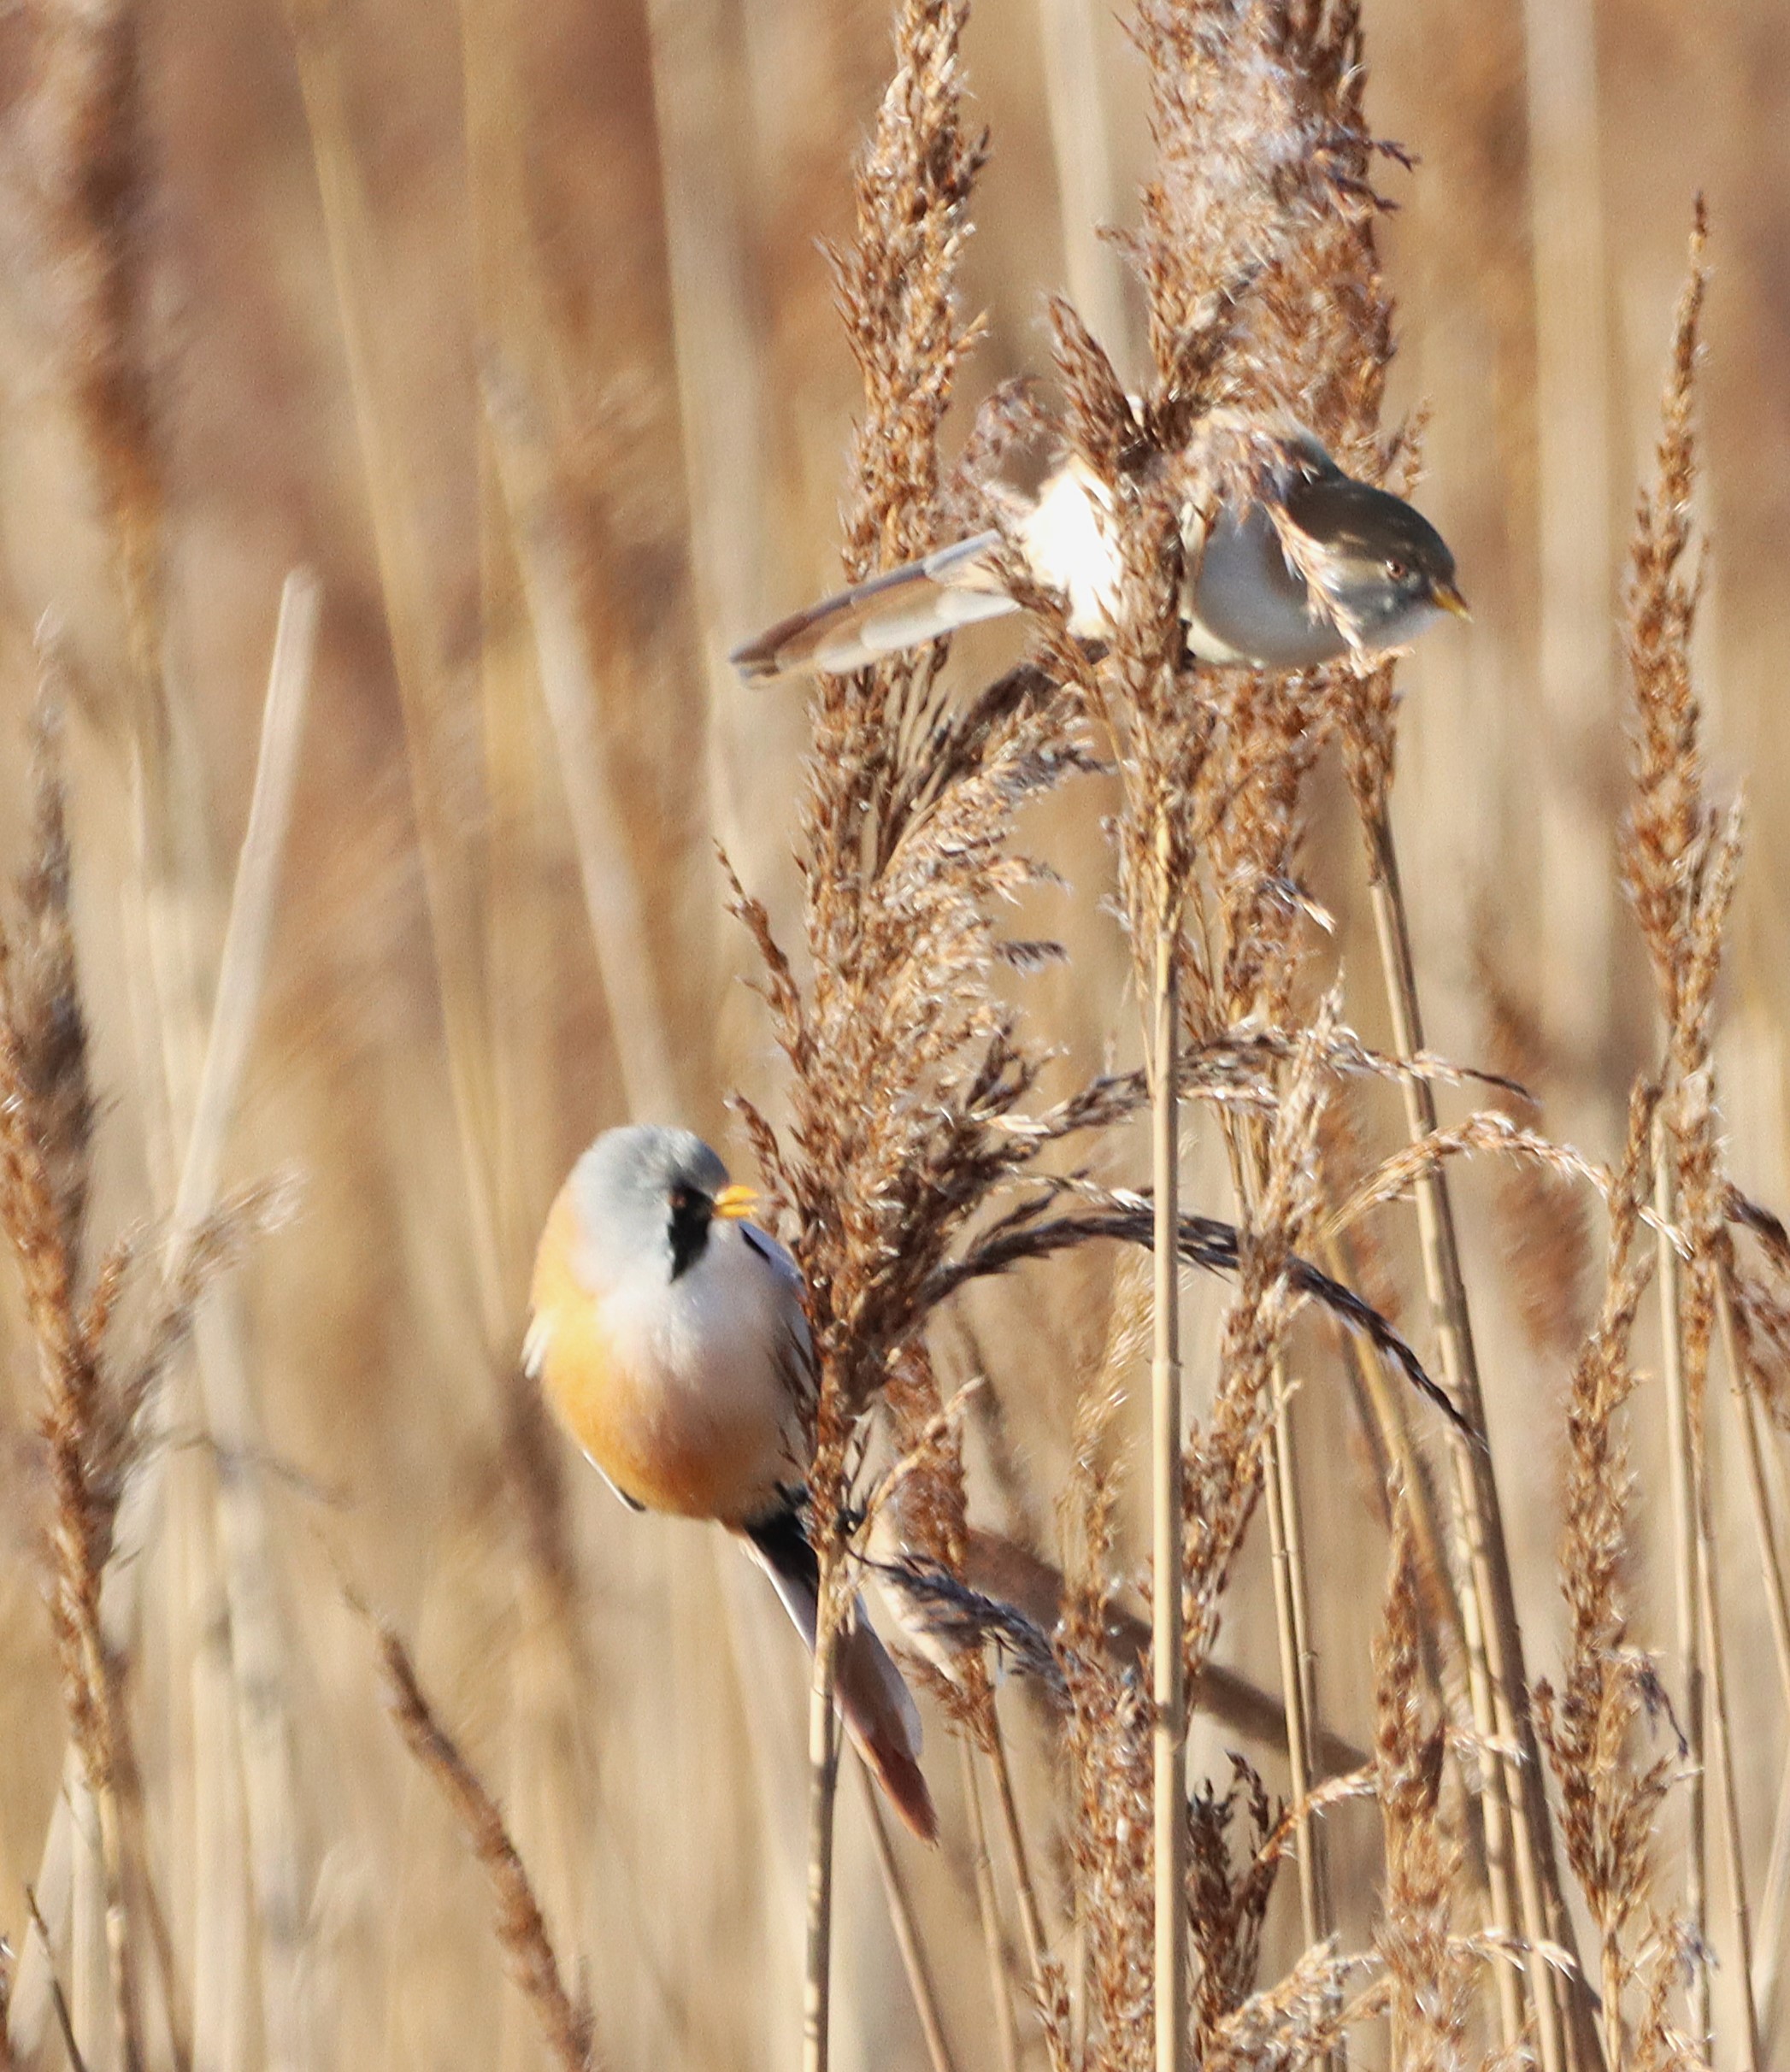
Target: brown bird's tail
(904, 608)
(873, 1700)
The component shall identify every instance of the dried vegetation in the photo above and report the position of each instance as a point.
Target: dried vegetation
(1557, 1836)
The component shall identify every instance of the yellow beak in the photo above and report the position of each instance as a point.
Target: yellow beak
(1450, 599)
(736, 1202)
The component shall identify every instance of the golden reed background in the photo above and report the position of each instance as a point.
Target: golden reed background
(411, 283)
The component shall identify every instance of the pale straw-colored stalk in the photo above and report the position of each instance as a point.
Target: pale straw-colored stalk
(1775, 1902)
(416, 663)
(1087, 190)
(1487, 1571)
(258, 1646)
(222, 1956)
(213, 1102)
(988, 1913)
(1169, 1733)
(823, 1772)
(1031, 1915)
(564, 650)
(901, 1920)
(1276, 1475)
(1291, 1598)
(1722, 1755)
(1774, 1895)
(1686, 1599)
(698, 95)
(1286, 1567)
(1771, 1570)
(1573, 462)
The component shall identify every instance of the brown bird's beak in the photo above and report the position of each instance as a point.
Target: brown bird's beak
(736, 1202)
(1450, 599)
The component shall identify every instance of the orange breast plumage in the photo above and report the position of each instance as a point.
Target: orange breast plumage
(674, 1391)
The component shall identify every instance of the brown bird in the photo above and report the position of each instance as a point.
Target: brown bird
(668, 1336)
(1290, 563)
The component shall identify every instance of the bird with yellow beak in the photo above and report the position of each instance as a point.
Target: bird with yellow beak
(668, 1336)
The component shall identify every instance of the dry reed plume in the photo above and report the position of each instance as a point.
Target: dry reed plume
(949, 1135)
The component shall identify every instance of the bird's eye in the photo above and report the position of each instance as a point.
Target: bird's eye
(1397, 570)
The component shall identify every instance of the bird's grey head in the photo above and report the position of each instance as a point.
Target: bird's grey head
(1388, 572)
(645, 1196)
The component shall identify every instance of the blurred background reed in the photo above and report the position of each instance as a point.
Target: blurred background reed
(508, 324)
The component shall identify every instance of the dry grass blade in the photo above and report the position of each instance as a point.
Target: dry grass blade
(568, 2027)
(611, 891)
(416, 661)
(907, 1932)
(988, 1913)
(205, 1239)
(1082, 147)
(698, 95)
(242, 961)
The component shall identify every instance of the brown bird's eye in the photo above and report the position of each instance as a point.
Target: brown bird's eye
(1396, 570)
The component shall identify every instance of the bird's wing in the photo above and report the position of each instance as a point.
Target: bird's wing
(923, 600)
(876, 1705)
(796, 1354)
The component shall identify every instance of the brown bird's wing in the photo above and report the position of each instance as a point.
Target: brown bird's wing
(873, 1702)
(907, 607)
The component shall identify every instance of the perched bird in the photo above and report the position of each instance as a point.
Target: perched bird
(1293, 564)
(668, 1336)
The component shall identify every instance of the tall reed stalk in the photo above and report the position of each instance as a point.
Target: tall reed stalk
(823, 1771)
(1169, 1730)
(1687, 1601)
(1487, 1574)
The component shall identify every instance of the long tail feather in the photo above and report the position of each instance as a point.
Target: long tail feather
(873, 1702)
(923, 600)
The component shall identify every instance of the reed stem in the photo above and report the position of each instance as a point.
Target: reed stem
(1689, 1601)
(988, 1912)
(907, 1932)
(1168, 1677)
(1275, 1475)
(1770, 1567)
(1031, 1916)
(1721, 1739)
(823, 1771)
(1488, 1577)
